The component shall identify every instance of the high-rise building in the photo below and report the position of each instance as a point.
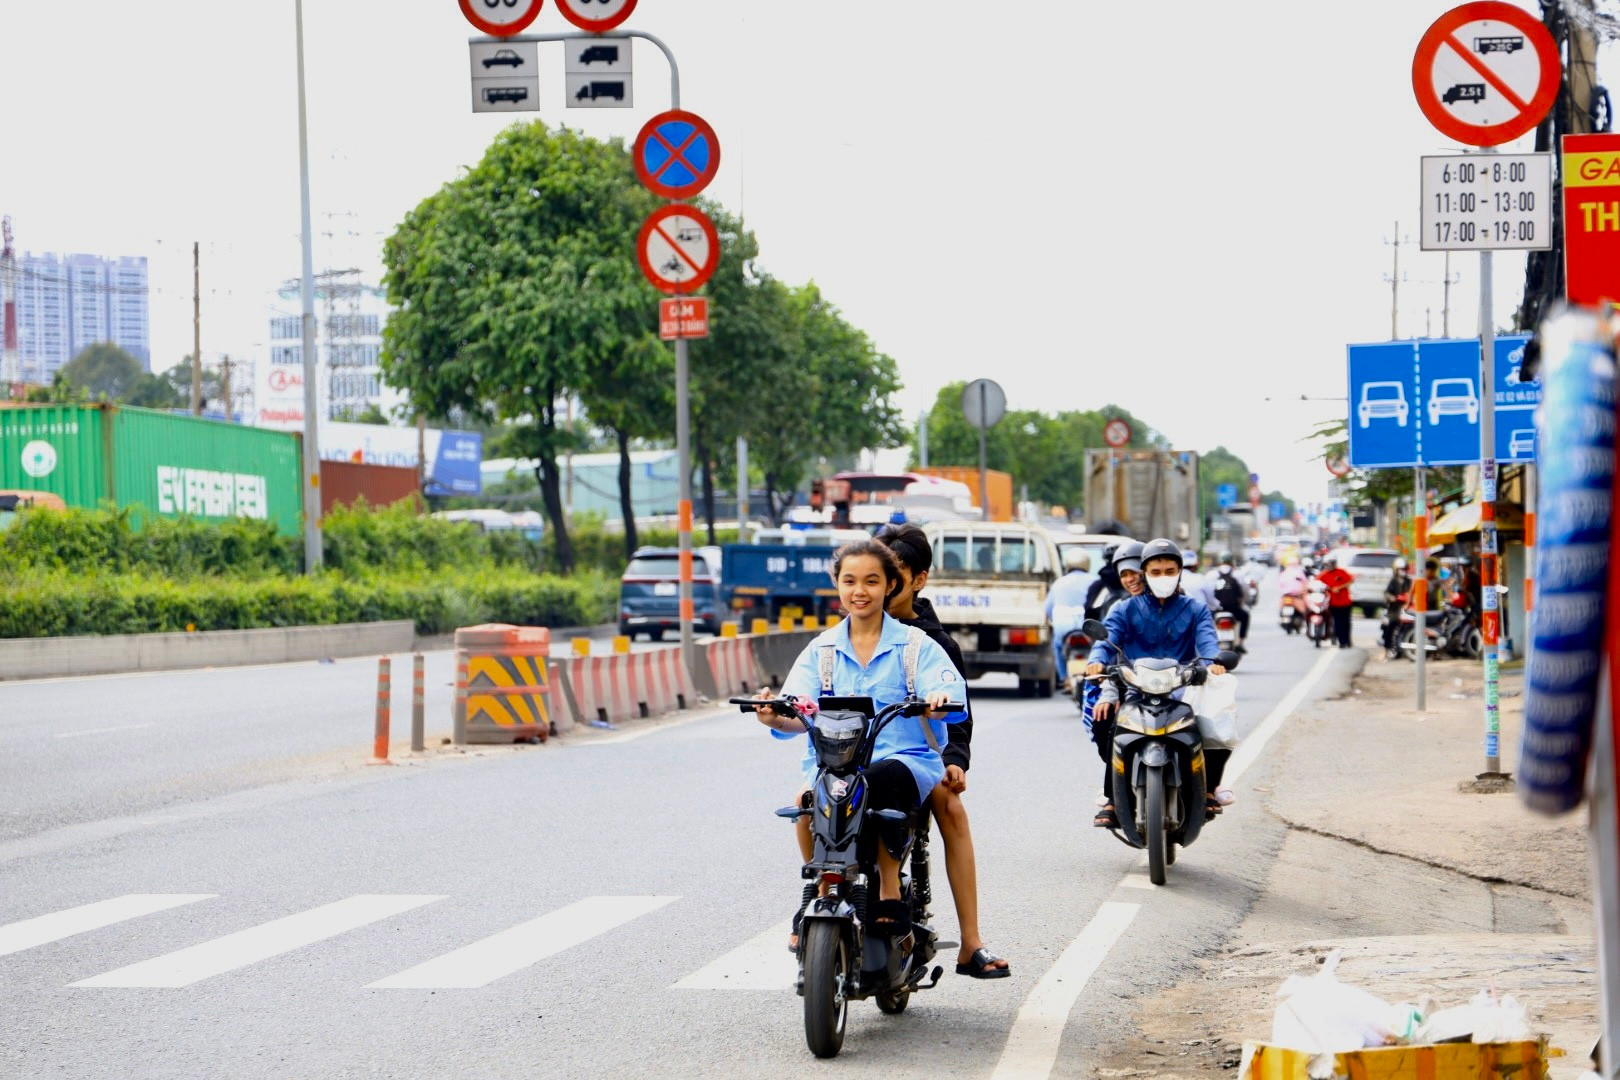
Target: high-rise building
(66, 302)
(349, 318)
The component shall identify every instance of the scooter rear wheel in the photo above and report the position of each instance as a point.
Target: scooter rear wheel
(826, 987)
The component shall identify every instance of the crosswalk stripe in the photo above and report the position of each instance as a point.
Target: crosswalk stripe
(499, 955)
(17, 936)
(257, 943)
(761, 963)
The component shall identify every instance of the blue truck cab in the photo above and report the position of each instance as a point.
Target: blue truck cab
(782, 569)
(649, 592)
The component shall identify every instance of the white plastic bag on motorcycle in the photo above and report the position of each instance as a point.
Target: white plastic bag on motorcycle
(1215, 704)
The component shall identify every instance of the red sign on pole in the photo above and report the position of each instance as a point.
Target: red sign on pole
(1116, 433)
(502, 18)
(1486, 72)
(686, 317)
(676, 154)
(1591, 176)
(604, 16)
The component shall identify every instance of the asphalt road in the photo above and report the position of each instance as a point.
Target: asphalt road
(197, 879)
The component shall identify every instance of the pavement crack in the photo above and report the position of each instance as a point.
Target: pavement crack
(1485, 879)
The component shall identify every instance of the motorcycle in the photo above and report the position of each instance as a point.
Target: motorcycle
(1290, 616)
(1450, 630)
(842, 956)
(1316, 613)
(1251, 592)
(1226, 630)
(1158, 755)
(1076, 650)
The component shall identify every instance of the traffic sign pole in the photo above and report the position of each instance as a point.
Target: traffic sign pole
(1490, 603)
(1420, 556)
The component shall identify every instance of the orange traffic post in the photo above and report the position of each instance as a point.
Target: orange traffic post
(379, 751)
(581, 646)
(418, 705)
(761, 626)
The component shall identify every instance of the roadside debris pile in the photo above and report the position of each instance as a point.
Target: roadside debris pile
(1324, 1028)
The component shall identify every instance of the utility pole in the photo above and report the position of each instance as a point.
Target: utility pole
(1394, 279)
(225, 383)
(1447, 280)
(196, 330)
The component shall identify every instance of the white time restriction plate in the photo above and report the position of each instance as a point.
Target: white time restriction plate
(1487, 202)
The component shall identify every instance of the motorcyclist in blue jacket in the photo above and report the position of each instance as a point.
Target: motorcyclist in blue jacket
(1165, 623)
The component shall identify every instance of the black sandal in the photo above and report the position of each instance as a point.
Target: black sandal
(1212, 808)
(797, 937)
(1106, 818)
(891, 917)
(980, 966)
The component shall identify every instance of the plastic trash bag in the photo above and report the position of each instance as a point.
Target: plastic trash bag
(1215, 703)
(1485, 1019)
(1322, 1016)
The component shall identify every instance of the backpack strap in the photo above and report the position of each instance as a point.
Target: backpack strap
(829, 659)
(915, 638)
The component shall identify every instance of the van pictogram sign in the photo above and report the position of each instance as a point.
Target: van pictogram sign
(1486, 73)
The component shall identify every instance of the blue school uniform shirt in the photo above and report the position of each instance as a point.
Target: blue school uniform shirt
(1181, 629)
(883, 679)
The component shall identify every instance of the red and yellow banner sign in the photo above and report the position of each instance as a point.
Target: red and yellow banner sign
(1591, 175)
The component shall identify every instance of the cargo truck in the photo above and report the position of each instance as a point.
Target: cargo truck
(1151, 493)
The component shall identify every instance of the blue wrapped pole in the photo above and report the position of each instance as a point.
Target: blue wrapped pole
(1576, 432)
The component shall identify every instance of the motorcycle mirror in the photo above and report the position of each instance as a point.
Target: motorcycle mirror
(1227, 659)
(1095, 630)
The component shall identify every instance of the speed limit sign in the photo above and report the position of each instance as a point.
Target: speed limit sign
(502, 18)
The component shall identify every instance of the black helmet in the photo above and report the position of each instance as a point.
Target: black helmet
(1108, 554)
(1127, 556)
(1162, 549)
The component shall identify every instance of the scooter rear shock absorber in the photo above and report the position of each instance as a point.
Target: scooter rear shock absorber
(921, 888)
(857, 900)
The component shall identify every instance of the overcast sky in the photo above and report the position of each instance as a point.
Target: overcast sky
(1179, 206)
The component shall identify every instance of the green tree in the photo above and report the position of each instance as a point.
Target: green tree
(633, 397)
(153, 392)
(1221, 466)
(513, 283)
(103, 371)
(179, 380)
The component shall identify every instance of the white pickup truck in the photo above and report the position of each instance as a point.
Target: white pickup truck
(988, 587)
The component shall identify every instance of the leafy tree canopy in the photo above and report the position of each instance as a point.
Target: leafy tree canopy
(103, 371)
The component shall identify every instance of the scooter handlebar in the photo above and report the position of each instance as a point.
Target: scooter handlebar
(750, 704)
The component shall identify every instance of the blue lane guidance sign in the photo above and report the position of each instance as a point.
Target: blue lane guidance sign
(1418, 403)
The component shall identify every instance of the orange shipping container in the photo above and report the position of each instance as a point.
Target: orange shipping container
(999, 483)
(342, 482)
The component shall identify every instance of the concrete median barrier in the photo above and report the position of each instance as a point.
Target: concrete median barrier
(502, 684)
(39, 658)
(774, 654)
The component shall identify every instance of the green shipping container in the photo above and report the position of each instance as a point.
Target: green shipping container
(161, 463)
(56, 448)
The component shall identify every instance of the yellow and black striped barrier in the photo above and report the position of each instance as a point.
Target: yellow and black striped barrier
(502, 684)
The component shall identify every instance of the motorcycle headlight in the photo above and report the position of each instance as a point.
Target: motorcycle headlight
(1151, 681)
(837, 737)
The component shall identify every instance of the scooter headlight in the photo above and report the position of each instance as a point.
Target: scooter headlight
(837, 736)
(1152, 681)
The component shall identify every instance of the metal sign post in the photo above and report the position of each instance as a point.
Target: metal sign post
(983, 404)
(1420, 555)
(1490, 617)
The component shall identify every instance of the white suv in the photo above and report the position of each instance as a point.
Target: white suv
(1372, 568)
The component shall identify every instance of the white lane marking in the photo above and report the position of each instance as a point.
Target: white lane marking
(1249, 749)
(101, 731)
(1032, 1045)
(761, 963)
(1136, 881)
(257, 943)
(44, 929)
(499, 955)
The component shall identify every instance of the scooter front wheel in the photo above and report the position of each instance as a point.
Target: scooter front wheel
(1153, 823)
(826, 987)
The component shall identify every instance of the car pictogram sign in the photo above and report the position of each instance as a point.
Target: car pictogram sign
(503, 18)
(676, 154)
(596, 15)
(1486, 72)
(678, 249)
(1116, 433)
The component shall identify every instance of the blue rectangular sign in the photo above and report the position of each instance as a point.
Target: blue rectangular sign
(1226, 494)
(1418, 403)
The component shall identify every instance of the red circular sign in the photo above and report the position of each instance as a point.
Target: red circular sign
(1489, 98)
(676, 154)
(1338, 466)
(1116, 433)
(678, 248)
(502, 18)
(610, 13)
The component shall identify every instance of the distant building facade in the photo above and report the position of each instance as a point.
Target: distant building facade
(66, 302)
(349, 319)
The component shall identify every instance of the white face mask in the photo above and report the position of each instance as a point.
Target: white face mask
(1163, 586)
